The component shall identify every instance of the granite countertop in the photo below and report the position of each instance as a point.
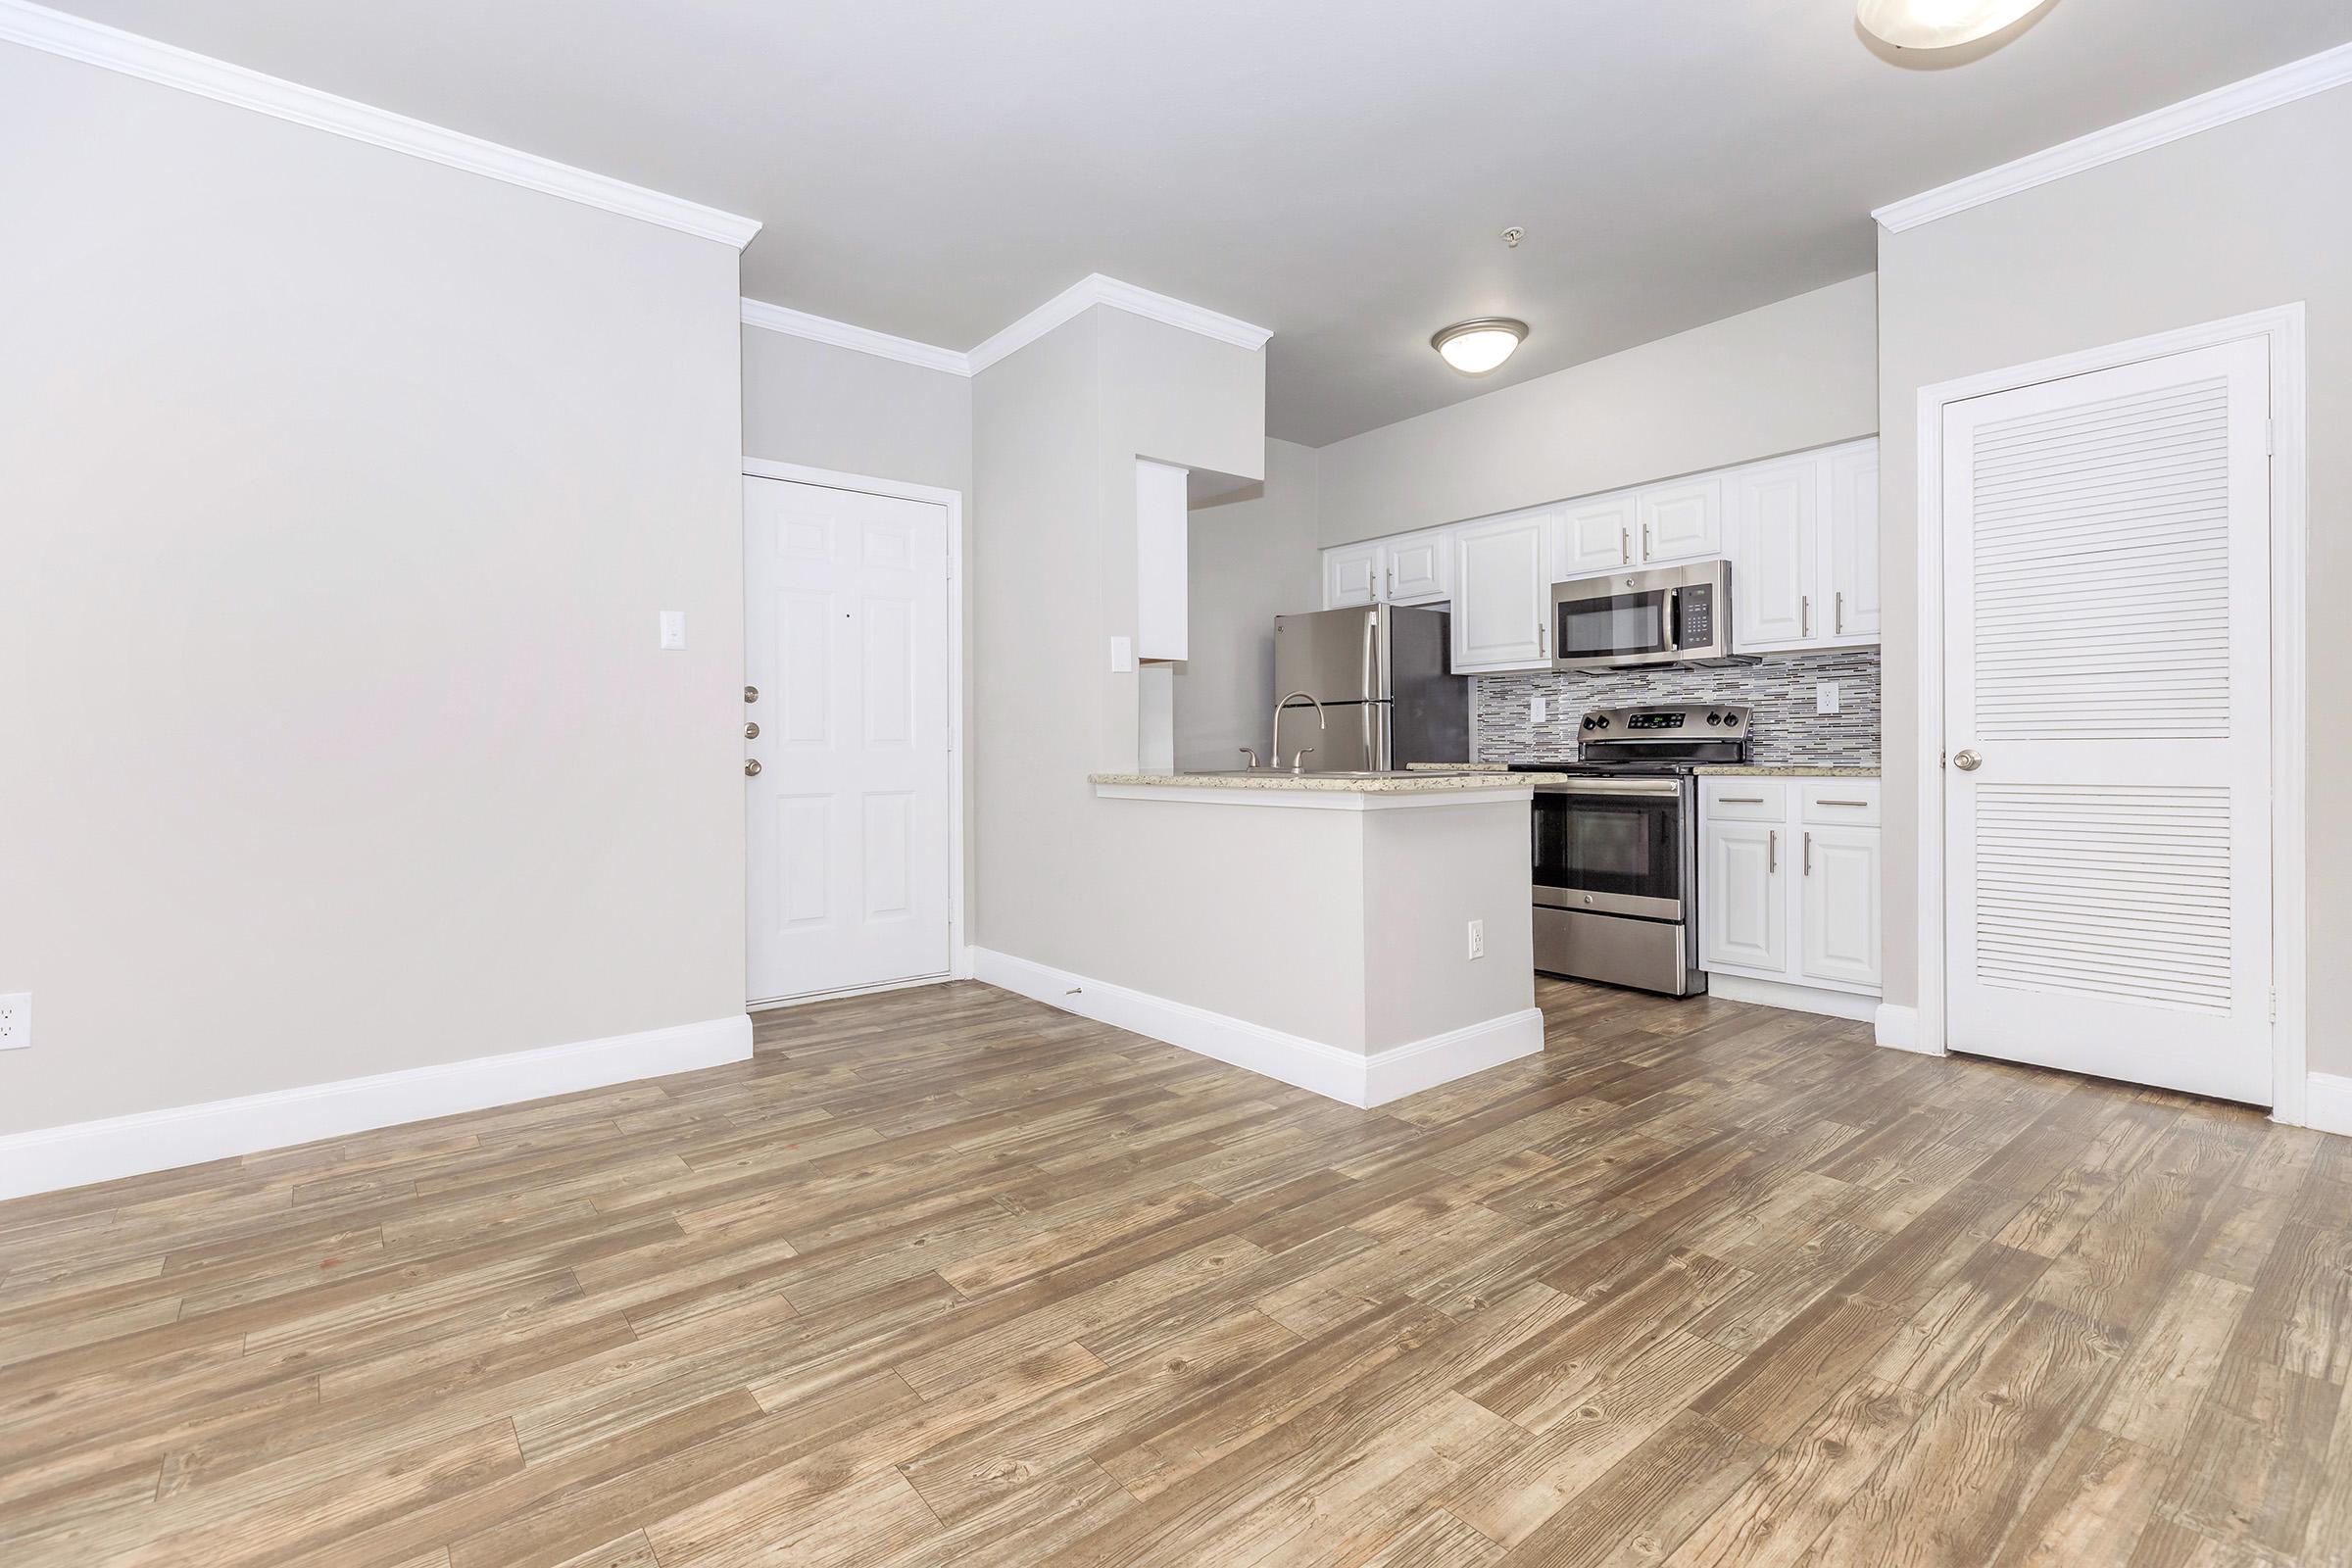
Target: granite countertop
(1417, 782)
(1784, 770)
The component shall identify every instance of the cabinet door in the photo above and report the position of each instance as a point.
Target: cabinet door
(1775, 539)
(1594, 536)
(1682, 522)
(1351, 575)
(1853, 552)
(1502, 595)
(1743, 896)
(1840, 870)
(1420, 568)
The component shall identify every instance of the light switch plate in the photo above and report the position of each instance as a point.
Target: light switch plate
(16, 1020)
(673, 628)
(1824, 697)
(1536, 709)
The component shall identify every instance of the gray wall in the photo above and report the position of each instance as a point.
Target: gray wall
(343, 490)
(1802, 373)
(1057, 428)
(1253, 558)
(2237, 219)
(834, 408)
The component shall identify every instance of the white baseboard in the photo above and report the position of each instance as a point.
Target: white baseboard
(2328, 1103)
(1329, 1071)
(1898, 1030)
(1796, 998)
(53, 1157)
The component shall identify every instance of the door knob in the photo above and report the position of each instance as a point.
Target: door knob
(751, 694)
(1967, 762)
(750, 731)
(751, 768)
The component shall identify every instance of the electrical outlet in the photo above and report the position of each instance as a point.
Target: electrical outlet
(16, 1020)
(1477, 939)
(673, 628)
(1824, 697)
(1536, 709)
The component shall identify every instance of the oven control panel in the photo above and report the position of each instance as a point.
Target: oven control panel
(1669, 722)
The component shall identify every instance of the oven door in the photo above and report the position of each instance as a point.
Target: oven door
(1596, 628)
(1610, 846)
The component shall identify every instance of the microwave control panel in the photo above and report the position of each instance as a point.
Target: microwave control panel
(1696, 614)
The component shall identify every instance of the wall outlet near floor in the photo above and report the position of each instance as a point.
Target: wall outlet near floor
(1477, 939)
(16, 1020)
(1824, 697)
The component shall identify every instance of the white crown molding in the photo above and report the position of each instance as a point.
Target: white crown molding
(864, 339)
(1096, 289)
(2301, 79)
(112, 49)
(55, 1158)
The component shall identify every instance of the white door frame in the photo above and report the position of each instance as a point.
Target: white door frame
(2283, 326)
(959, 948)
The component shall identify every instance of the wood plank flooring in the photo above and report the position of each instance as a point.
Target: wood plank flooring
(945, 1277)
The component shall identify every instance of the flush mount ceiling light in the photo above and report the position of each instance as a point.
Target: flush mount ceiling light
(1476, 347)
(1939, 24)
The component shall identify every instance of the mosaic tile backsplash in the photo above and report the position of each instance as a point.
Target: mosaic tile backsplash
(1786, 728)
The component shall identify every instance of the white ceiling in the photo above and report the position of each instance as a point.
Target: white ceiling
(1334, 170)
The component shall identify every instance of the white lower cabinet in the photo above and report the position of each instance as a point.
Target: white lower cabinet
(1788, 887)
(1743, 897)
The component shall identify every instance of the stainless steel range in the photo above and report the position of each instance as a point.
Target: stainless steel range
(1616, 848)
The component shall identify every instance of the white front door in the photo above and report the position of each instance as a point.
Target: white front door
(2108, 722)
(846, 640)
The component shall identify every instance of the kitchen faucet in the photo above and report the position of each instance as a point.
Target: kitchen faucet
(1299, 756)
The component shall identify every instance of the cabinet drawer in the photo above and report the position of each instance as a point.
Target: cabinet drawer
(1743, 800)
(1842, 802)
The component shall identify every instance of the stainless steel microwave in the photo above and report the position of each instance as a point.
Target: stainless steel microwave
(1680, 615)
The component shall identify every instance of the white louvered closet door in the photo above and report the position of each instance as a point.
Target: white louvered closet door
(2107, 644)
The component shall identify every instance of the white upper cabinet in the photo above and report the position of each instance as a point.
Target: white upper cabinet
(1775, 510)
(1801, 533)
(1682, 520)
(1420, 568)
(1164, 567)
(1354, 575)
(1853, 541)
(1595, 536)
(1502, 592)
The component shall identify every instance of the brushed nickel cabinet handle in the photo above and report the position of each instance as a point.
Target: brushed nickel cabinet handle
(1772, 853)
(1808, 854)
(1647, 546)
(1804, 616)
(1625, 544)
(1826, 801)
(1739, 800)
(1841, 612)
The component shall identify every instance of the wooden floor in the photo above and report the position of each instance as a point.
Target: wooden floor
(945, 1277)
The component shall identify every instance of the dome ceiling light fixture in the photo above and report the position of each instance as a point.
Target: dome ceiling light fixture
(1939, 24)
(1475, 347)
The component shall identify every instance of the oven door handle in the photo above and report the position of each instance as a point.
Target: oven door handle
(1615, 787)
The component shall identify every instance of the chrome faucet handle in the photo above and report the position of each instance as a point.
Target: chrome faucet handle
(1251, 752)
(1298, 759)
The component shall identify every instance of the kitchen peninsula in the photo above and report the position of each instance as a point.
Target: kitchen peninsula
(1362, 937)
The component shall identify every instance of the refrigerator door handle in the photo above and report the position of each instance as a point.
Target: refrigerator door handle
(1372, 692)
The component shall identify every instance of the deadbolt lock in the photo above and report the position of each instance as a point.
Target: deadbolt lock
(750, 731)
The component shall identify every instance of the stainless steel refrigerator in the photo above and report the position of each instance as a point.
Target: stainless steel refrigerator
(1384, 677)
